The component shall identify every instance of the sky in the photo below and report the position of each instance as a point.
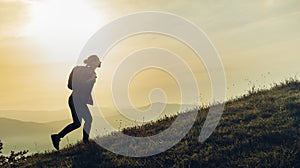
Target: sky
(40, 41)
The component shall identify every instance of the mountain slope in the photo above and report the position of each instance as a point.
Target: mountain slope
(17, 127)
(259, 129)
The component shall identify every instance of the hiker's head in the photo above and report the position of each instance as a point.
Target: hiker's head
(93, 61)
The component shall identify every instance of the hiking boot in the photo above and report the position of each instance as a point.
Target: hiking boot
(55, 141)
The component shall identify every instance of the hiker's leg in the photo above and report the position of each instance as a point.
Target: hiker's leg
(87, 123)
(76, 121)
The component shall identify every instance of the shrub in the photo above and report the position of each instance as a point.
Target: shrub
(14, 159)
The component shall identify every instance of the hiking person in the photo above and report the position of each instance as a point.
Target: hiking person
(81, 82)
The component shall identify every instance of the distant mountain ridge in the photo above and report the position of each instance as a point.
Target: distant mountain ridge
(38, 116)
(17, 127)
(44, 116)
(25, 135)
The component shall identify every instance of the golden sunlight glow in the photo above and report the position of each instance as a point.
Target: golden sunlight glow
(271, 3)
(66, 24)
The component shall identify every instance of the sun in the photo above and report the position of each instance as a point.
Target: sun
(56, 23)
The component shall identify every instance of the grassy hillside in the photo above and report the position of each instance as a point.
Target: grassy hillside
(259, 129)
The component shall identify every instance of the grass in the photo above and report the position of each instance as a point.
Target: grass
(258, 129)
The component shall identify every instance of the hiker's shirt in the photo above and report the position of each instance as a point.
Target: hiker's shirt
(81, 81)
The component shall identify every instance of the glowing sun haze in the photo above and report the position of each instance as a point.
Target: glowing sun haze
(57, 23)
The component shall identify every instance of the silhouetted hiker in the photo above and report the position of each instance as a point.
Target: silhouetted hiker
(81, 81)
